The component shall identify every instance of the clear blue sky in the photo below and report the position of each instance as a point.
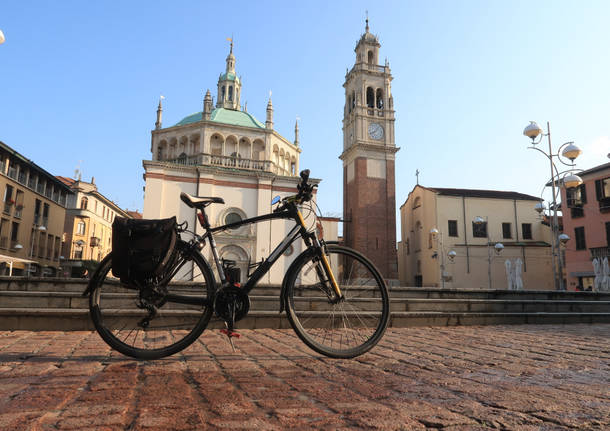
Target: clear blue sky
(80, 82)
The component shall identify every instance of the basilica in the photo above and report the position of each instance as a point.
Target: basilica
(225, 151)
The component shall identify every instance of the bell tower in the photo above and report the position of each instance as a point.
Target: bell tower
(369, 202)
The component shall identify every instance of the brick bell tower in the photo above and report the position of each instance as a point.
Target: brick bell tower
(369, 203)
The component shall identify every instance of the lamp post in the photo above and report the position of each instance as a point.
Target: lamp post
(39, 229)
(569, 180)
(498, 247)
(437, 234)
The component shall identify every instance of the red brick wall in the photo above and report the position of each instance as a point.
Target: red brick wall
(369, 207)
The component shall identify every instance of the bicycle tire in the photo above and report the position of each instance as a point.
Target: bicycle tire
(350, 327)
(114, 309)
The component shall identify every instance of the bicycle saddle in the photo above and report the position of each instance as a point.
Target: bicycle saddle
(200, 201)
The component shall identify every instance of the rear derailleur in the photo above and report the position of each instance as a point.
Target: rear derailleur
(150, 298)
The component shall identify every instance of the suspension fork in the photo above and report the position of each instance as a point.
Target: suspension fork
(312, 240)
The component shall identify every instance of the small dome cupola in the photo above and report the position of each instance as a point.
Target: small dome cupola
(367, 48)
(229, 85)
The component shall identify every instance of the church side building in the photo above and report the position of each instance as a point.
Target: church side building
(225, 151)
(369, 203)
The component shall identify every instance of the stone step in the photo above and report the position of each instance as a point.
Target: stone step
(66, 300)
(79, 285)
(60, 319)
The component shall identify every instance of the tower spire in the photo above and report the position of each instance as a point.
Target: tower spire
(296, 132)
(269, 122)
(159, 113)
(367, 21)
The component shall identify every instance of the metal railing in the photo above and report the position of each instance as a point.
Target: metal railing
(224, 161)
(600, 252)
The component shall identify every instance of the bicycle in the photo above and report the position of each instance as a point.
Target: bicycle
(335, 299)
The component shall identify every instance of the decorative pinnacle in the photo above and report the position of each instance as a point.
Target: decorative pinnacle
(367, 21)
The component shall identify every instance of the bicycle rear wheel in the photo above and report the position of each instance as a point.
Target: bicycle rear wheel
(159, 319)
(354, 324)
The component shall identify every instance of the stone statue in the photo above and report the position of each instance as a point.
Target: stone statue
(517, 271)
(509, 274)
(606, 275)
(597, 270)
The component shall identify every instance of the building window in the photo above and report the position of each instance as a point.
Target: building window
(576, 198)
(232, 217)
(14, 234)
(45, 214)
(8, 199)
(37, 205)
(579, 234)
(608, 233)
(479, 230)
(506, 231)
(453, 231)
(83, 203)
(370, 97)
(602, 192)
(80, 228)
(526, 230)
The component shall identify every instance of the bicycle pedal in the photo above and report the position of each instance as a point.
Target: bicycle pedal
(230, 334)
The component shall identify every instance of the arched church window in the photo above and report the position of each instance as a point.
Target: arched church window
(370, 57)
(370, 97)
(232, 217)
(379, 98)
(230, 93)
(353, 99)
(222, 93)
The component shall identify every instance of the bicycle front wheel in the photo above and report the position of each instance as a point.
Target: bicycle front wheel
(155, 320)
(349, 327)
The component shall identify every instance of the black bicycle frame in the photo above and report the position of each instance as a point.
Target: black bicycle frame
(299, 229)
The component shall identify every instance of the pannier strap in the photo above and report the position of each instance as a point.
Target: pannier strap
(201, 201)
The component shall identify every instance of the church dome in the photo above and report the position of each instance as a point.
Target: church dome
(229, 77)
(225, 116)
(369, 37)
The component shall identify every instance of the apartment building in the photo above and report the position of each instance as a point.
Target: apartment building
(586, 219)
(32, 218)
(88, 224)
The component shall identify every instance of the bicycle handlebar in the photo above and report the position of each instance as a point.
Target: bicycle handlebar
(305, 192)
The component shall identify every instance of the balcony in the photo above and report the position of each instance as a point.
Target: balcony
(600, 252)
(224, 161)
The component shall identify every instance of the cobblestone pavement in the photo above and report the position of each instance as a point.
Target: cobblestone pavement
(451, 378)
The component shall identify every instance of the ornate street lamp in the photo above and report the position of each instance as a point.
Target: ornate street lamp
(498, 247)
(437, 234)
(569, 180)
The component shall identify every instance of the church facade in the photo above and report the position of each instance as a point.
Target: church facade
(369, 203)
(225, 151)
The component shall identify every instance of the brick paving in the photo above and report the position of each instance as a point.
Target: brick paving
(533, 377)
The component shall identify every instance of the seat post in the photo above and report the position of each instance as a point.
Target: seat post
(203, 218)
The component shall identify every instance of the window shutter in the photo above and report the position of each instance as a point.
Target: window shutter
(583, 194)
(598, 189)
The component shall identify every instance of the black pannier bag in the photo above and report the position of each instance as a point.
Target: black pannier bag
(142, 249)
